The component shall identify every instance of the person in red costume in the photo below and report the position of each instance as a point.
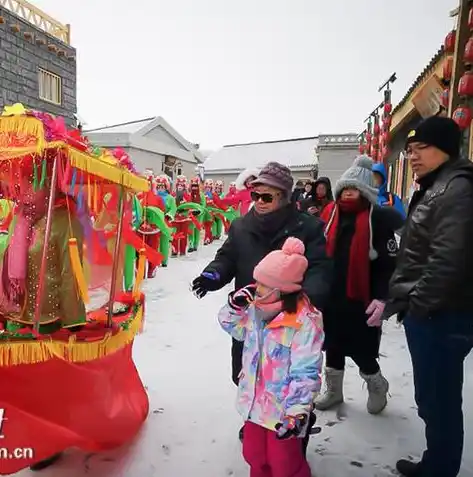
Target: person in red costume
(148, 231)
(241, 200)
(181, 223)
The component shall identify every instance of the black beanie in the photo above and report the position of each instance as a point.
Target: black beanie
(440, 132)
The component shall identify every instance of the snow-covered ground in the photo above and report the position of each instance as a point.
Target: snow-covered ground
(184, 360)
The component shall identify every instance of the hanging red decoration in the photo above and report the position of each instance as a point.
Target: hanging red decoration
(462, 116)
(386, 137)
(448, 69)
(445, 98)
(468, 53)
(465, 85)
(362, 148)
(449, 43)
(387, 123)
(376, 128)
(375, 142)
(388, 107)
(368, 137)
(470, 19)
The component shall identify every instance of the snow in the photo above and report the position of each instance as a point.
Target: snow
(184, 360)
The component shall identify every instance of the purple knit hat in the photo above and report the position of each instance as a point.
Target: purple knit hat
(275, 175)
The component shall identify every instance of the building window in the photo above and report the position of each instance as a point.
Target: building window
(50, 87)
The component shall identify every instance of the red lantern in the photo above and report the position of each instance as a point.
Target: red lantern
(388, 107)
(362, 148)
(387, 123)
(448, 69)
(376, 128)
(470, 19)
(449, 43)
(468, 53)
(465, 85)
(445, 98)
(375, 142)
(462, 116)
(368, 137)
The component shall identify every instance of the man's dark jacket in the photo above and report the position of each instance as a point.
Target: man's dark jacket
(246, 245)
(434, 270)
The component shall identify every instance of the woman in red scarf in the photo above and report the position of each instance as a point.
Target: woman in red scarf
(361, 242)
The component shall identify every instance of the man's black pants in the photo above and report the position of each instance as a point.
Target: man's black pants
(438, 347)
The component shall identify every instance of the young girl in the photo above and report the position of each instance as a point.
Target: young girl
(282, 359)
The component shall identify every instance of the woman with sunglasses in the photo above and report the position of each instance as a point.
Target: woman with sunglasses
(265, 228)
(360, 239)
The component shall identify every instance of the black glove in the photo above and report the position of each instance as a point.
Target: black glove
(242, 299)
(291, 426)
(205, 282)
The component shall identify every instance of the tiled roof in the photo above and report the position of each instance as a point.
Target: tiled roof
(419, 78)
(294, 153)
(128, 128)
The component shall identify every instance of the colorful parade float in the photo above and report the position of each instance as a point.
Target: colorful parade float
(67, 318)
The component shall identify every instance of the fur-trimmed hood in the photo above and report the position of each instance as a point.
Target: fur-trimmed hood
(244, 176)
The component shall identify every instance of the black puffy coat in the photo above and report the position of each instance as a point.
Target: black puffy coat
(249, 241)
(434, 272)
(345, 319)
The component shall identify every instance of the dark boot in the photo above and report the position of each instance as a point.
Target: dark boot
(305, 440)
(408, 468)
(45, 463)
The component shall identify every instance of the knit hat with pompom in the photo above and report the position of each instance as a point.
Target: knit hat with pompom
(283, 269)
(359, 176)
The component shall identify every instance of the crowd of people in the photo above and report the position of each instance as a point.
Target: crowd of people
(319, 271)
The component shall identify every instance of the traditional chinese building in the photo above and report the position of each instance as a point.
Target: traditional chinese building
(327, 155)
(37, 61)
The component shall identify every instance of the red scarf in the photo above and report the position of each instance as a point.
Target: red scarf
(358, 275)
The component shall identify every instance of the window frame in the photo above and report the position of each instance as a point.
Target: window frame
(43, 77)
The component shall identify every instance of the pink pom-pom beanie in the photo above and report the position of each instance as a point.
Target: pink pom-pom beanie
(283, 269)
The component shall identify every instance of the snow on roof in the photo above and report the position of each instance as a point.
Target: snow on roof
(291, 152)
(130, 127)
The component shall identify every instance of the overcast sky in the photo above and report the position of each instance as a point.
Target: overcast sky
(223, 71)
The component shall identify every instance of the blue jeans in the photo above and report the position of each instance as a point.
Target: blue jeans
(438, 348)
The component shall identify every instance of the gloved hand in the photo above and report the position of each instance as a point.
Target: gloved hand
(241, 299)
(291, 426)
(375, 312)
(205, 282)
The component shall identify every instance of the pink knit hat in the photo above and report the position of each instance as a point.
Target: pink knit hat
(283, 269)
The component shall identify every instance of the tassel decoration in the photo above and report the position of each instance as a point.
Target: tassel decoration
(140, 273)
(77, 270)
(35, 175)
(44, 172)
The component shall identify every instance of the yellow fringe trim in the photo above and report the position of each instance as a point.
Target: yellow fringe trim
(13, 353)
(24, 125)
(103, 166)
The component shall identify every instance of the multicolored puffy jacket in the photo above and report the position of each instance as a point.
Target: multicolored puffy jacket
(282, 361)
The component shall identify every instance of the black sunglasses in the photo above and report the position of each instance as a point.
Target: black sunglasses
(265, 197)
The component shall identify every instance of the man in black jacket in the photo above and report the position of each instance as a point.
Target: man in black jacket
(265, 228)
(432, 290)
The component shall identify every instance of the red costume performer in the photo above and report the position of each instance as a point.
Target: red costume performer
(149, 232)
(181, 222)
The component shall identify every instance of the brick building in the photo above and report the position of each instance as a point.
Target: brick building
(37, 62)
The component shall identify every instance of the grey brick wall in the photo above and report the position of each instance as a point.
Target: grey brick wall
(20, 59)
